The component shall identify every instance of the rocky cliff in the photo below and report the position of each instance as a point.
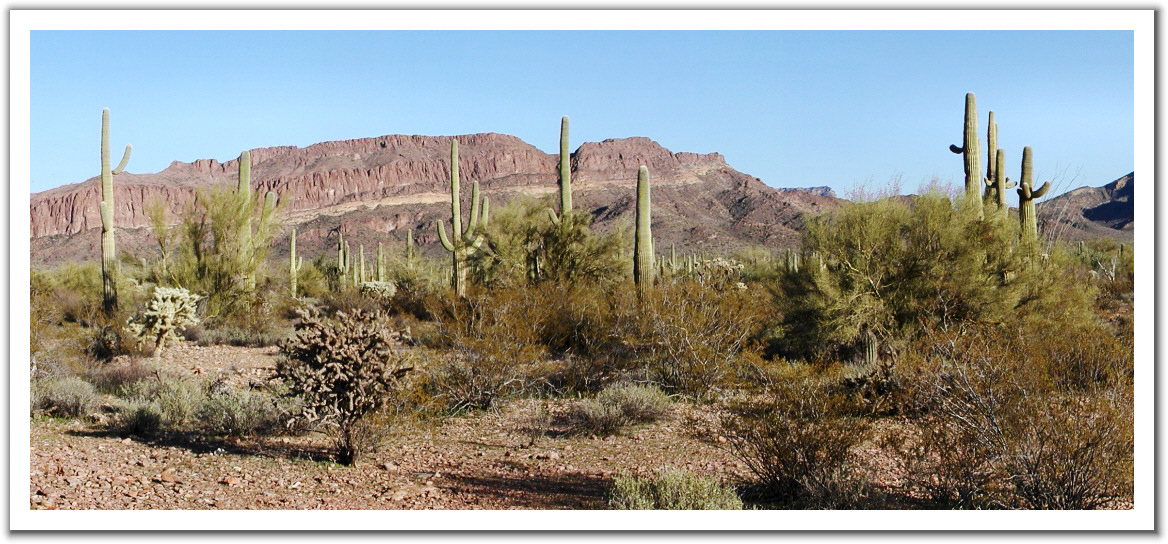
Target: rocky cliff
(373, 189)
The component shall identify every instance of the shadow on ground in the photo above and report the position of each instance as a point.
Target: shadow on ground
(200, 443)
(539, 491)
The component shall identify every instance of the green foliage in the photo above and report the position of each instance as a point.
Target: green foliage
(464, 242)
(890, 269)
(343, 369)
(672, 489)
(225, 237)
(524, 246)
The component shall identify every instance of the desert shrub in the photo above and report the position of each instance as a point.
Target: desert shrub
(169, 309)
(222, 243)
(343, 369)
(618, 407)
(797, 440)
(112, 377)
(1006, 429)
(524, 245)
(236, 412)
(692, 336)
(68, 396)
(138, 418)
(888, 269)
(672, 489)
(176, 400)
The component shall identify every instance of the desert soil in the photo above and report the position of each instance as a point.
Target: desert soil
(484, 460)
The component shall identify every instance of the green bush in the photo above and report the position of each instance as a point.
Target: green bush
(618, 407)
(890, 269)
(672, 490)
(64, 397)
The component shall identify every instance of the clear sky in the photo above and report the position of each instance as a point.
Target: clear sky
(794, 108)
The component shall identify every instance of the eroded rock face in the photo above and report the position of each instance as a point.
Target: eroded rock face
(392, 183)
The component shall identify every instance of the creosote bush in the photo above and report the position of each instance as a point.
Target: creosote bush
(672, 489)
(797, 440)
(343, 369)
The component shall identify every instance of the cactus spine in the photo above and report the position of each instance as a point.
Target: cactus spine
(643, 244)
(294, 264)
(109, 262)
(463, 243)
(1026, 196)
(971, 152)
(565, 174)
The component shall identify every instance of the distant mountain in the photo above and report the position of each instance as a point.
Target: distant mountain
(374, 189)
(1091, 212)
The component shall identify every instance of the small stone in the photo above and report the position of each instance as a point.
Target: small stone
(568, 447)
(127, 441)
(721, 439)
(233, 481)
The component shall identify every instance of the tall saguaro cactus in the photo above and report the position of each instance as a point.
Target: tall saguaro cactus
(643, 244)
(380, 262)
(1026, 196)
(1001, 182)
(971, 152)
(250, 248)
(294, 264)
(465, 242)
(109, 262)
(411, 253)
(565, 174)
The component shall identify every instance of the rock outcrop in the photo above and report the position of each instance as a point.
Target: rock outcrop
(382, 186)
(1089, 212)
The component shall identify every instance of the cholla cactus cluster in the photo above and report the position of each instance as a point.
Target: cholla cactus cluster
(169, 310)
(383, 290)
(719, 271)
(343, 369)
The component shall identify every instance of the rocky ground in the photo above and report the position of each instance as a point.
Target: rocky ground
(478, 461)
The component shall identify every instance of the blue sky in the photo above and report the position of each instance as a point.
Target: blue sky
(794, 108)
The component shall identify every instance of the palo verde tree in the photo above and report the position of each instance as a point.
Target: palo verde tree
(226, 239)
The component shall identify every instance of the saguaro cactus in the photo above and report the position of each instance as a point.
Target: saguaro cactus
(1001, 182)
(294, 264)
(643, 244)
(465, 242)
(109, 262)
(380, 262)
(565, 174)
(361, 259)
(990, 198)
(249, 248)
(1026, 196)
(971, 152)
(411, 253)
(342, 259)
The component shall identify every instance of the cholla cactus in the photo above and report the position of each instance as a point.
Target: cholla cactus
(379, 289)
(170, 309)
(343, 369)
(719, 272)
